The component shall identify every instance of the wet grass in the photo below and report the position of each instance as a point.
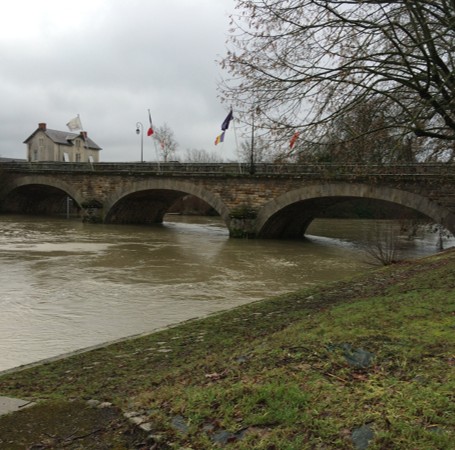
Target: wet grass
(364, 363)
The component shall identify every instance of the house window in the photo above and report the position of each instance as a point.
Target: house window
(78, 143)
(41, 142)
(35, 155)
(78, 157)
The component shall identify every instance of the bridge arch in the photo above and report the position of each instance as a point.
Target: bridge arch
(289, 215)
(146, 201)
(37, 194)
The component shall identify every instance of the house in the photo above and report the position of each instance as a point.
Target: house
(52, 145)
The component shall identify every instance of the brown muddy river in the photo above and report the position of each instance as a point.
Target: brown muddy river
(65, 285)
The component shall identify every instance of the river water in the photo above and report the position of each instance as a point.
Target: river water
(65, 285)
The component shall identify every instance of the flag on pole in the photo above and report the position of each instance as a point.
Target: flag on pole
(219, 138)
(150, 130)
(293, 139)
(75, 124)
(225, 124)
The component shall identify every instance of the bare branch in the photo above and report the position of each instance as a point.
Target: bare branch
(307, 63)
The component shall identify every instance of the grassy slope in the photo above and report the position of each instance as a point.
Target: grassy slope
(366, 361)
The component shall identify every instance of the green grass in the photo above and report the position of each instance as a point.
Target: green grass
(309, 370)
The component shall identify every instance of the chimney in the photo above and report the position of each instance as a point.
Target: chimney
(84, 135)
(42, 126)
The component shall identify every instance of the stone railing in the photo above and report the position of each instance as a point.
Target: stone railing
(236, 169)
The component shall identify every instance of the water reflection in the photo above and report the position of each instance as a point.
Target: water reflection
(65, 285)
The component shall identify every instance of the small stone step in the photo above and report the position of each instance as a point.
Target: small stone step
(9, 404)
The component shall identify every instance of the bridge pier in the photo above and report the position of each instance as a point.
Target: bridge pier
(242, 222)
(242, 228)
(92, 212)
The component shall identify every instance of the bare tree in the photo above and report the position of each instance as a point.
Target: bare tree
(383, 246)
(262, 151)
(201, 156)
(166, 141)
(361, 136)
(305, 63)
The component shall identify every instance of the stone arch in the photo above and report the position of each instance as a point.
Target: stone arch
(269, 223)
(52, 186)
(155, 196)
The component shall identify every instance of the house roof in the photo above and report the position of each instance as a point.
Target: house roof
(3, 159)
(64, 138)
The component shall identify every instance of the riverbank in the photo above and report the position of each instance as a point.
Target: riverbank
(363, 363)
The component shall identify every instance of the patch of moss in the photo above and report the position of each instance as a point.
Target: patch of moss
(243, 212)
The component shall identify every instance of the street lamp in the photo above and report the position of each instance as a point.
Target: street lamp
(252, 168)
(140, 130)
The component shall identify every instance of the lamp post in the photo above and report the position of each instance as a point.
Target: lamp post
(140, 130)
(252, 168)
(252, 159)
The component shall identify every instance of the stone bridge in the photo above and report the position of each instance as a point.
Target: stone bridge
(276, 201)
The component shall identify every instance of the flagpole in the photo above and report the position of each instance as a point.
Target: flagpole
(154, 140)
(237, 146)
(252, 168)
(157, 155)
(80, 121)
(84, 135)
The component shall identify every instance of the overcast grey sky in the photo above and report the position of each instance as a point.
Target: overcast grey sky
(110, 61)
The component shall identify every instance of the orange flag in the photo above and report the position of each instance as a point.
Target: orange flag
(293, 139)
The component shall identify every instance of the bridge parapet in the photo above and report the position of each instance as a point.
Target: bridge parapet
(238, 169)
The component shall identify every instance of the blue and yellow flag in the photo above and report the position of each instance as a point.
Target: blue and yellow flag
(219, 138)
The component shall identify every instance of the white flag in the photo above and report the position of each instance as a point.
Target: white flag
(75, 124)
